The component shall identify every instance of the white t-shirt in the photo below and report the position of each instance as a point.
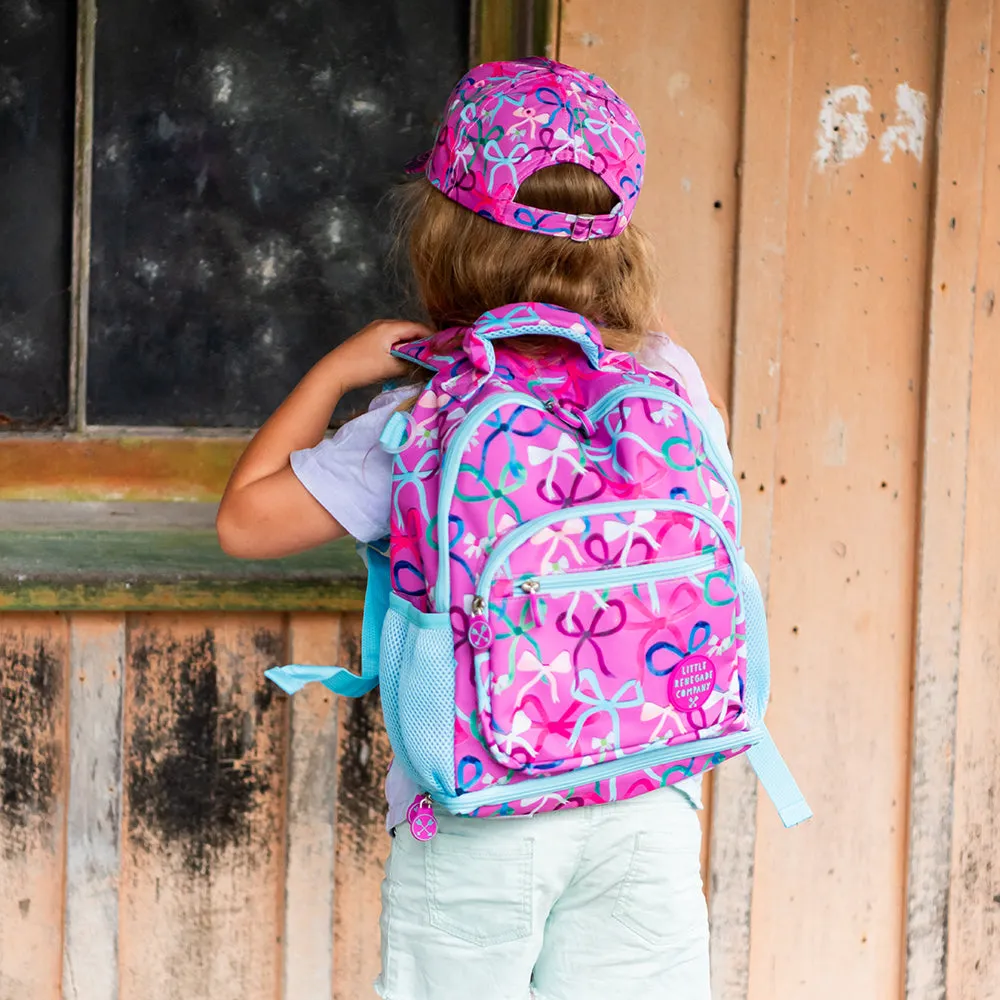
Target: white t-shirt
(350, 475)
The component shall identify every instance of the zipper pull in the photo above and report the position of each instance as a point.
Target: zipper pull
(480, 633)
(531, 588)
(420, 817)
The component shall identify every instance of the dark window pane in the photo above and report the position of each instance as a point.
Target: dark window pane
(241, 153)
(36, 170)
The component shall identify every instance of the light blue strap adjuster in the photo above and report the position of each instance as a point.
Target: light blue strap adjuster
(773, 773)
(294, 676)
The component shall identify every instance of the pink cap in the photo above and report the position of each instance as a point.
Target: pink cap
(505, 120)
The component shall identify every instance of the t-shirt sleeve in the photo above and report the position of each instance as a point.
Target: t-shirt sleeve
(663, 354)
(350, 474)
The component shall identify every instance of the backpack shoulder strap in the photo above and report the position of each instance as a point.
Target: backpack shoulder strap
(293, 677)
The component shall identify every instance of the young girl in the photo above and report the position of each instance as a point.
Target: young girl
(603, 901)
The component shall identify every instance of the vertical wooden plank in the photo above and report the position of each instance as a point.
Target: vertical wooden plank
(679, 66)
(955, 246)
(827, 919)
(90, 949)
(312, 796)
(760, 323)
(974, 901)
(203, 845)
(362, 843)
(33, 663)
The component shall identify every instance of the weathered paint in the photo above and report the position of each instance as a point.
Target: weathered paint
(362, 844)
(87, 570)
(116, 468)
(827, 918)
(203, 824)
(957, 235)
(33, 662)
(312, 796)
(759, 323)
(185, 596)
(974, 900)
(93, 859)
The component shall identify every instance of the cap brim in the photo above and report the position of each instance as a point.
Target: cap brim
(418, 164)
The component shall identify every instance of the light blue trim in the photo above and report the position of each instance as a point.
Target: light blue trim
(415, 361)
(653, 757)
(539, 329)
(623, 576)
(423, 619)
(613, 398)
(395, 435)
(777, 780)
(294, 676)
(520, 534)
(449, 478)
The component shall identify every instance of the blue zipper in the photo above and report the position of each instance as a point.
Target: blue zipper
(537, 787)
(475, 417)
(605, 579)
(525, 531)
(613, 398)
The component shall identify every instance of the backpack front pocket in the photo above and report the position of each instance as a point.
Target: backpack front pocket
(580, 667)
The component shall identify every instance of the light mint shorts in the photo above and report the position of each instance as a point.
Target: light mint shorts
(601, 902)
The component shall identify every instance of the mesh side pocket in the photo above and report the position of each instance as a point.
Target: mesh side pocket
(392, 650)
(758, 686)
(427, 700)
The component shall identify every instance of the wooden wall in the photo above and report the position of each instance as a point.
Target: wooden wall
(173, 828)
(824, 191)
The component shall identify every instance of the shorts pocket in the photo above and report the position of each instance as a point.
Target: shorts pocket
(477, 893)
(661, 898)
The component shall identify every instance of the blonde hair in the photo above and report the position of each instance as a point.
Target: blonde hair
(463, 265)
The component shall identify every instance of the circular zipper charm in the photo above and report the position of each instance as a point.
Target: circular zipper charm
(423, 825)
(480, 634)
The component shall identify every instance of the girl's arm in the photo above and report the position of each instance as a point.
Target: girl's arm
(265, 511)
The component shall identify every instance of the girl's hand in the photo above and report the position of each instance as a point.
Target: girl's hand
(266, 511)
(365, 358)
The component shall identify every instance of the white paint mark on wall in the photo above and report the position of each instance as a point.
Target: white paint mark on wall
(910, 128)
(686, 185)
(677, 84)
(843, 129)
(362, 105)
(590, 40)
(148, 270)
(222, 83)
(268, 262)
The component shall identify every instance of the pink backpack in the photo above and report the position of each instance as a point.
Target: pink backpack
(565, 616)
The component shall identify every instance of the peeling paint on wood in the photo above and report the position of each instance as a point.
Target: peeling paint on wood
(759, 324)
(362, 842)
(117, 468)
(33, 660)
(973, 912)
(961, 164)
(90, 952)
(168, 570)
(312, 796)
(203, 852)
